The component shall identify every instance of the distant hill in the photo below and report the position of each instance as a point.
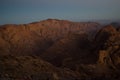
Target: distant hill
(36, 37)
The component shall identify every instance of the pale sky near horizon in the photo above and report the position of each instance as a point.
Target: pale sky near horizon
(25, 11)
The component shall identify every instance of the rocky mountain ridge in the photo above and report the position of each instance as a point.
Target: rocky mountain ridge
(37, 37)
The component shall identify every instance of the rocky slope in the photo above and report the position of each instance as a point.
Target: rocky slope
(31, 68)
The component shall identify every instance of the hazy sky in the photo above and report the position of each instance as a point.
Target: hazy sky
(24, 11)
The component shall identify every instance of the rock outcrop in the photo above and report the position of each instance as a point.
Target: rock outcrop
(110, 49)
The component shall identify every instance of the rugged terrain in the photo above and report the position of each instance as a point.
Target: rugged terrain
(60, 50)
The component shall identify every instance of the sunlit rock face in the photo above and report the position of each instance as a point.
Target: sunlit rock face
(110, 49)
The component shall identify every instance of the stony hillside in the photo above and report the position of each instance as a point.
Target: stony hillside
(31, 68)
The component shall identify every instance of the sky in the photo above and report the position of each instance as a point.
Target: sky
(25, 11)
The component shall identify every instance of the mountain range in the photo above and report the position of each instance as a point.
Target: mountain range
(55, 49)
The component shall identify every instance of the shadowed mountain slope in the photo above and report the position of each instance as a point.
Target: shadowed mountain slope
(73, 46)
